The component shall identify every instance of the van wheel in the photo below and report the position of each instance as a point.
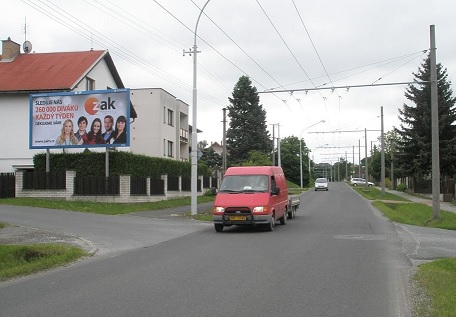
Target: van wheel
(291, 214)
(270, 226)
(283, 220)
(218, 227)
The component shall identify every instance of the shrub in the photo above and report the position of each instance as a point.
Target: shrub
(93, 164)
(401, 187)
(388, 183)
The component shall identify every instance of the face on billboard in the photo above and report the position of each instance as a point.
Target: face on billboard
(51, 116)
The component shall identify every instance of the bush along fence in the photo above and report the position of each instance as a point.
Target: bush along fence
(67, 185)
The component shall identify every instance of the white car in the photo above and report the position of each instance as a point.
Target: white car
(360, 182)
(321, 184)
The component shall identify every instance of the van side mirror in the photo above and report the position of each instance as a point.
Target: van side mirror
(213, 191)
(275, 190)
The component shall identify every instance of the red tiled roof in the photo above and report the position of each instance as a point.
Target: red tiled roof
(46, 71)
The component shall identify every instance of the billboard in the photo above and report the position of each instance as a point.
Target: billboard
(81, 119)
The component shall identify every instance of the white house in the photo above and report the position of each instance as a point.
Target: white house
(163, 129)
(25, 74)
(159, 128)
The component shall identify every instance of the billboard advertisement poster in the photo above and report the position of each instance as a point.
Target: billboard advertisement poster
(80, 119)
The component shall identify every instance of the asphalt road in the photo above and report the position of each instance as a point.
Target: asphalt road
(338, 257)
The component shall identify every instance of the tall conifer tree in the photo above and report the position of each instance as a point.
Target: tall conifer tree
(247, 129)
(415, 142)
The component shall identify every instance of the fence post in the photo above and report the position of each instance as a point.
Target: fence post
(180, 184)
(148, 186)
(19, 183)
(201, 180)
(124, 181)
(70, 176)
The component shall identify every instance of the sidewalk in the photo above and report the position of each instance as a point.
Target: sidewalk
(423, 200)
(15, 234)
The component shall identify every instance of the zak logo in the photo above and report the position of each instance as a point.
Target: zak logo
(93, 105)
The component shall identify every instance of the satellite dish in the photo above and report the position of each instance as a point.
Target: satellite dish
(27, 47)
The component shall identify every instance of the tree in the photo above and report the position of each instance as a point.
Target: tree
(291, 161)
(415, 141)
(211, 158)
(247, 129)
(256, 158)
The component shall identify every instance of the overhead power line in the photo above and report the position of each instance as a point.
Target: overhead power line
(347, 87)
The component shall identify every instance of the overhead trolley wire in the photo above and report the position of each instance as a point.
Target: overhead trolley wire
(288, 47)
(87, 32)
(243, 51)
(213, 48)
(313, 45)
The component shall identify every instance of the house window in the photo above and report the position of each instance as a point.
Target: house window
(164, 114)
(170, 117)
(170, 149)
(164, 147)
(90, 84)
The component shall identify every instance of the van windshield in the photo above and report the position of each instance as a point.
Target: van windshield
(245, 183)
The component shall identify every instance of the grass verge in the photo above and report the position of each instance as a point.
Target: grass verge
(104, 208)
(436, 280)
(20, 260)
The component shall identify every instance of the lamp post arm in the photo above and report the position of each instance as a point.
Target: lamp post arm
(197, 21)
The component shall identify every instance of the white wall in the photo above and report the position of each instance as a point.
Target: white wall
(151, 130)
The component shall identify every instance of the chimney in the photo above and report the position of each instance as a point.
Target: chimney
(10, 50)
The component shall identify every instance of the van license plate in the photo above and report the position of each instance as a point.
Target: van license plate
(238, 218)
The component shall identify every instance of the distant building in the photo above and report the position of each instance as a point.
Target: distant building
(163, 130)
(217, 148)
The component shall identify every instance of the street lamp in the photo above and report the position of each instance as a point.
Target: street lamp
(194, 157)
(300, 148)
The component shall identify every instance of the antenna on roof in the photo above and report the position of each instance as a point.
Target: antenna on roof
(27, 46)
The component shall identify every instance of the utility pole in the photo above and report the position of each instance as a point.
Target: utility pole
(279, 163)
(273, 144)
(435, 130)
(353, 169)
(224, 142)
(359, 158)
(346, 166)
(194, 155)
(382, 154)
(365, 155)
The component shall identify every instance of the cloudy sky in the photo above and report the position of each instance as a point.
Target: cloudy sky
(292, 45)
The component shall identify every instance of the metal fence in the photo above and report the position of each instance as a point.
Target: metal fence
(7, 185)
(44, 180)
(173, 183)
(96, 185)
(138, 185)
(157, 187)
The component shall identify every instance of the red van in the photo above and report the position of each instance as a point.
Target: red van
(251, 195)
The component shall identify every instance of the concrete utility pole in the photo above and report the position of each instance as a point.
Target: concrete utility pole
(194, 153)
(435, 130)
(224, 142)
(365, 157)
(279, 163)
(382, 154)
(359, 158)
(273, 144)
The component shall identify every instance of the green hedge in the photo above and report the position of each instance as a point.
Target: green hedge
(120, 163)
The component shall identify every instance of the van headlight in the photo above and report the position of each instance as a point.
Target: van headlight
(218, 209)
(260, 209)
